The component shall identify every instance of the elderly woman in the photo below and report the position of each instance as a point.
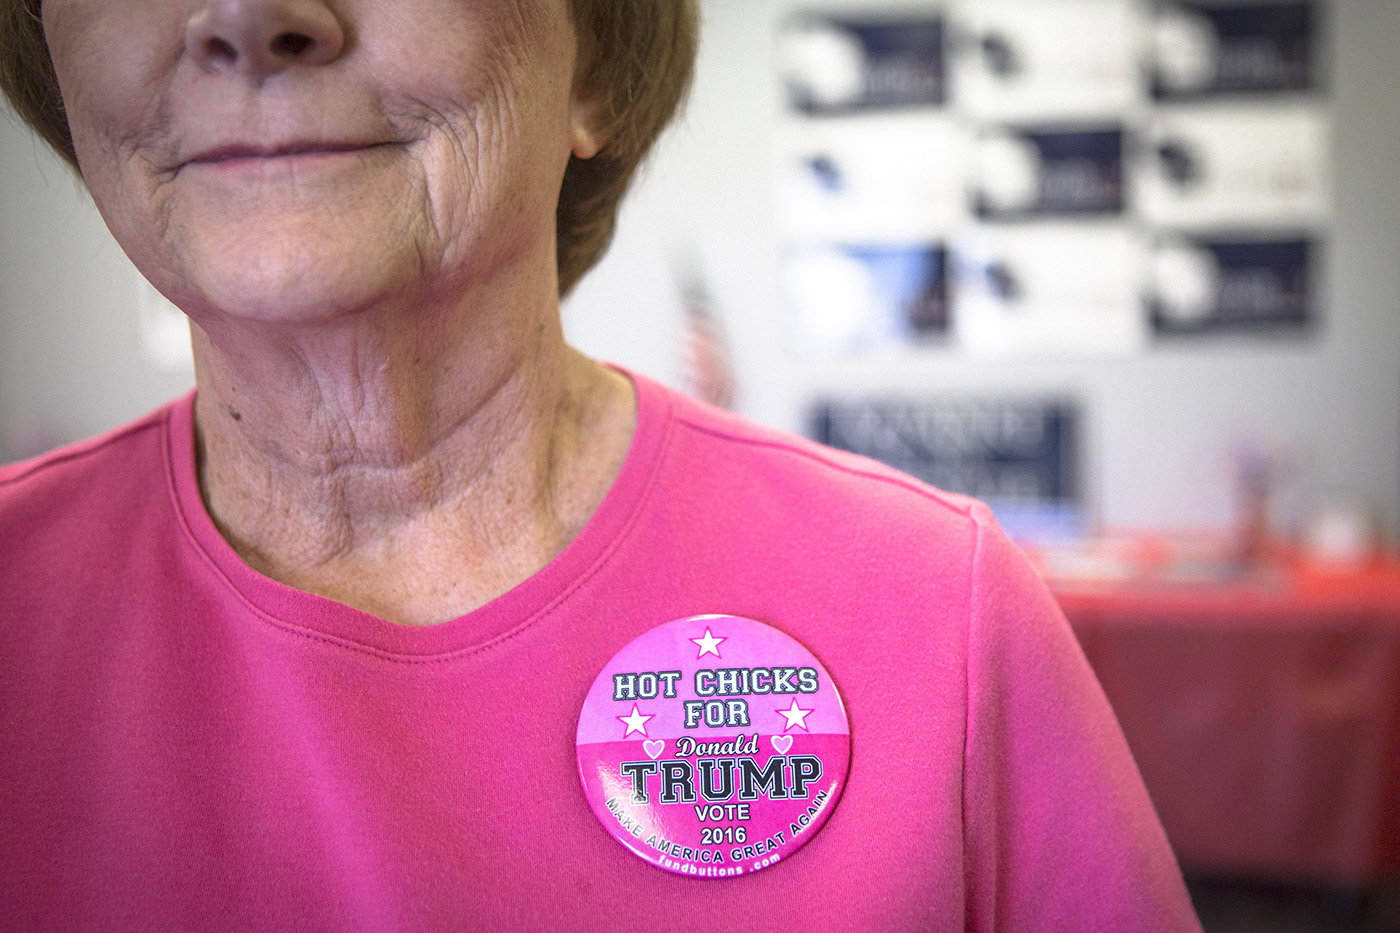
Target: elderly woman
(313, 647)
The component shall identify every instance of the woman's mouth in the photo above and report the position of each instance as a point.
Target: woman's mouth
(285, 155)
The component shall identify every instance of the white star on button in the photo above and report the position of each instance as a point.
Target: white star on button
(796, 716)
(637, 721)
(709, 644)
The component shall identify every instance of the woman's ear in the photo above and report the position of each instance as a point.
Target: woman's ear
(591, 120)
(588, 128)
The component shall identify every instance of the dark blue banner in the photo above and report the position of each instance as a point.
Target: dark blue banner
(1015, 451)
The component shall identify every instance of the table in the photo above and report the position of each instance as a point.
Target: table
(1262, 702)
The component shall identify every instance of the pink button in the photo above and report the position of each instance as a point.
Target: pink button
(713, 746)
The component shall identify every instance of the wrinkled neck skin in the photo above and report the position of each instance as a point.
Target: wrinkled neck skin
(414, 459)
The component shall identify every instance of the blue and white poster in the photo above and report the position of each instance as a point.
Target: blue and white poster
(1222, 285)
(1050, 171)
(1212, 48)
(842, 298)
(1230, 164)
(873, 178)
(1021, 60)
(1049, 290)
(834, 64)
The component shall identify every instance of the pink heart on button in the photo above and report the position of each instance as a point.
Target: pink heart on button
(781, 743)
(654, 748)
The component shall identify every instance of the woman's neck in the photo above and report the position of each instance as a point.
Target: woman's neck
(412, 464)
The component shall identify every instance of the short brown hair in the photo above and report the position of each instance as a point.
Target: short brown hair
(637, 56)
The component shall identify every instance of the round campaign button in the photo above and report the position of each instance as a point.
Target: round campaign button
(713, 746)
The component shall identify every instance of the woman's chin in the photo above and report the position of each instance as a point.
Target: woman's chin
(288, 287)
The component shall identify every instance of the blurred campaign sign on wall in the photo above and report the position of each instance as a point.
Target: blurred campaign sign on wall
(1093, 172)
(854, 297)
(832, 64)
(1049, 289)
(1020, 456)
(1233, 178)
(1203, 285)
(1212, 48)
(1024, 172)
(882, 178)
(1029, 60)
(1232, 163)
(872, 172)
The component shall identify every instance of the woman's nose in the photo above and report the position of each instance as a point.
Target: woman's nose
(258, 38)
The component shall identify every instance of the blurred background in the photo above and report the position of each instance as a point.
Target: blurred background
(1127, 269)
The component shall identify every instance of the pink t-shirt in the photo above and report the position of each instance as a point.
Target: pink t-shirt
(185, 744)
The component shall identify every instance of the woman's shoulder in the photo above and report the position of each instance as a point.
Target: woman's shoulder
(88, 476)
(785, 467)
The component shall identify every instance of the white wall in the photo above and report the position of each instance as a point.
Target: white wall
(1161, 427)
(70, 364)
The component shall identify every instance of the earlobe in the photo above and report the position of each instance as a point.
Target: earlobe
(586, 138)
(585, 144)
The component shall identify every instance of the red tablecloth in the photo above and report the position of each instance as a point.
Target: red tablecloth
(1263, 707)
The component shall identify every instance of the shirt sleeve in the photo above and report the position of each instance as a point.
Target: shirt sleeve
(1059, 831)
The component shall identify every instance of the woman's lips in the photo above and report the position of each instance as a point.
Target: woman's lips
(236, 155)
